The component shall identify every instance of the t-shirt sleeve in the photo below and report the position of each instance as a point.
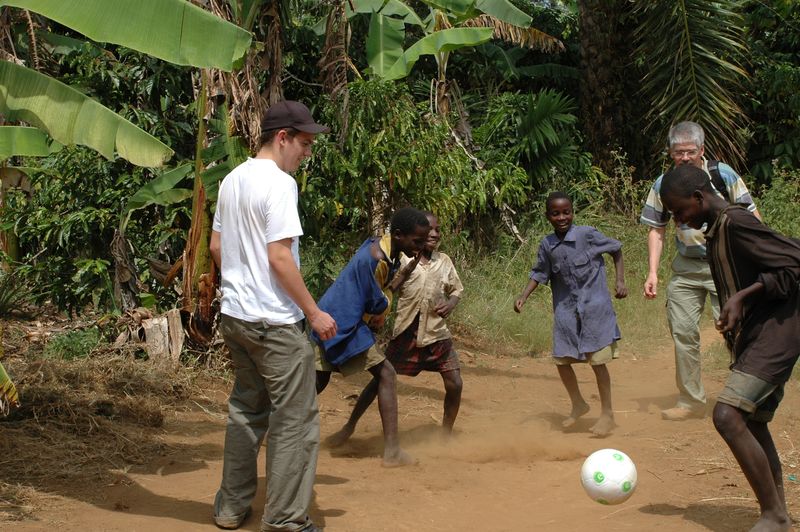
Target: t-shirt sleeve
(737, 189)
(216, 225)
(598, 243)
(541, 272)
(654, 213)
(283, 220)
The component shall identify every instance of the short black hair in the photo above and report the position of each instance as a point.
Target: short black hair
(682, 181)
(407, 219)
(267, 136)
(555, 195)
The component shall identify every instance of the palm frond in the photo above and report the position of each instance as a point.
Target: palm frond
(694, 52)
(525, 37)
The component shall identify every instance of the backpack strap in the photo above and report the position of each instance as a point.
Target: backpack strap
(716, 178)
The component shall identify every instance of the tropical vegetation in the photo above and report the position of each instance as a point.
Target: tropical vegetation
(115, 131)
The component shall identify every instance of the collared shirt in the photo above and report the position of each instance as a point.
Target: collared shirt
(428, 285)
(691, 242)
(358, 293)
(742, 250)
(584, 319)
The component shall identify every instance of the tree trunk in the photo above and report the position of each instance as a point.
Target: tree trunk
(607, 97)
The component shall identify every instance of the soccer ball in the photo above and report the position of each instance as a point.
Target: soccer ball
(608, 476)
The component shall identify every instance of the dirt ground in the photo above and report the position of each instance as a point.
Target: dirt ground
(509, 467)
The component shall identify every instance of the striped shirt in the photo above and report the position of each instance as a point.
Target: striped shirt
(690, 242)
(742, 251)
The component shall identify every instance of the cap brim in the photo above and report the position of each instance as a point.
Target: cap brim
(313, 128)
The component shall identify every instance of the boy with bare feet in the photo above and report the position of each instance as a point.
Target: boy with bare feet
(421, 339)
(756, 273)
(584, 326)
(359, 301)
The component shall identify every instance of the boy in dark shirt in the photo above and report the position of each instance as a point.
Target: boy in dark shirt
(756, 272)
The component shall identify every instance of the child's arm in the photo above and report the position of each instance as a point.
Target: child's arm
(733, 309)
(444, 308)
(523, 297)
(619, 268)
(402, 275)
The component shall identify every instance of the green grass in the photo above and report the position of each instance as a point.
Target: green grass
(73, 344)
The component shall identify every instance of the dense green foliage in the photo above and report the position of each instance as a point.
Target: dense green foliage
(514, 132)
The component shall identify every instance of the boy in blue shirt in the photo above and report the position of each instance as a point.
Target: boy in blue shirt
(584, 325)
(359, 301)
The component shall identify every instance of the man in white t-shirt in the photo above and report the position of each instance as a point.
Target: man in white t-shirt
(265, 308)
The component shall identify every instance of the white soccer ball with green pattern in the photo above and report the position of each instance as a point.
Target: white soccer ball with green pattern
(609, 476)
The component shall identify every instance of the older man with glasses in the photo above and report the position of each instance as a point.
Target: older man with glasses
(691, 281)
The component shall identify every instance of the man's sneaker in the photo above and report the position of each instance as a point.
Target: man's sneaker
(681, 413)
(231, 523)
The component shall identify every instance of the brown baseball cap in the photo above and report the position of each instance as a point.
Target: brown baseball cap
(289, 113)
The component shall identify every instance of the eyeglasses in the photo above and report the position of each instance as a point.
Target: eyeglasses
(685, 153)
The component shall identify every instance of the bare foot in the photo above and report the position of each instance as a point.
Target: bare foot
(605, 424)
(398, 458)
(772, 524)
(337, 439)
(577, 411)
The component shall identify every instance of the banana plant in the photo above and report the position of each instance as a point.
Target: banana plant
(173, 30)
(449, 25)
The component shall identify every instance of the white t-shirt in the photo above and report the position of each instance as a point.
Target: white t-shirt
(256, 205)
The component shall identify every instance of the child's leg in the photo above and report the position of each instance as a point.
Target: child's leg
(452, 398)
(323, 378)
(365, 399)
(752, 457)
(579, 406)
(605, 423)
(761, 433)
(393, 455)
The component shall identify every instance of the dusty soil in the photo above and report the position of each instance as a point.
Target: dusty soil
(509, 467)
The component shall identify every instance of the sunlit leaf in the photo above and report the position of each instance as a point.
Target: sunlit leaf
(70, 117)
(173, 30)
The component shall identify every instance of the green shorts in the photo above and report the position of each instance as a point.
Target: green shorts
(598, 358)
(361, 362)
(752, 395)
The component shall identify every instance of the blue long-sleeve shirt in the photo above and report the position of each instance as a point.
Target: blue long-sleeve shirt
(358, 293)
(584, 319)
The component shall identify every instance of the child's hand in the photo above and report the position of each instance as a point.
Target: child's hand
(518, 304)
(376, 322)
(730, 314)
(444, 308)
(401, 276)
(622, 290)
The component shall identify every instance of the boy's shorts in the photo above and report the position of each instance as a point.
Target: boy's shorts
(752, 395)
(361, 362)
(598, 358)
(409, 359)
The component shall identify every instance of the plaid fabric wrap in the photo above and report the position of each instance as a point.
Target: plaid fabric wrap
(408, 359)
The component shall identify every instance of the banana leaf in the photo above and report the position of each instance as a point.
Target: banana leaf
(173, 30)
(9, 398)
(439, 41)
(70, 117)
(384, 43)
(24, 141)
(392, 8)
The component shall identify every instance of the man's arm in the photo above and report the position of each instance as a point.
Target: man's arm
(655, 244)
(281, 263)
(215, 247)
